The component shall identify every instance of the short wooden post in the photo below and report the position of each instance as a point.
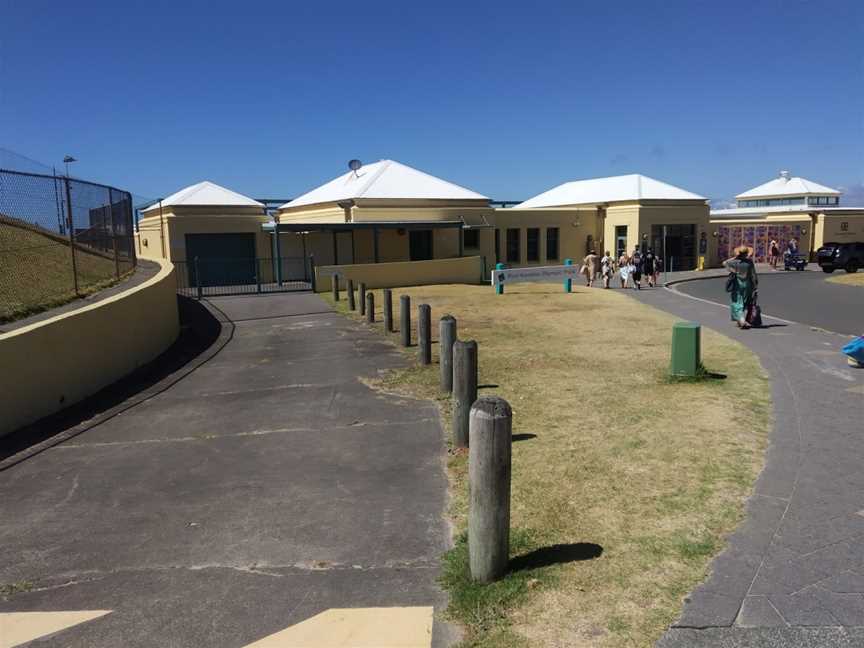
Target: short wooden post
(362, 298)
(424, 333)
(349, 288)
(499, 289)
(464, 389)
(568, 281)
(335, 282)
(446, 338)
(370, 307)
(405, 320)
(388, 310)
(489, 467)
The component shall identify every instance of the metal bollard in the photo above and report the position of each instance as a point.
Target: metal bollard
(499, 289)
(362, 298)
(370, 308)
(388, 310)
(464, 389)
(335, 281)
(349, 288)
(424, 333)
(568, 281)
(489, 468)
(405, 320)
(446, 338)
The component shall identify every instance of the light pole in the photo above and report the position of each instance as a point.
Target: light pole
(67, 160)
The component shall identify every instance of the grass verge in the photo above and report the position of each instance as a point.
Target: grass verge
(608, 453)
(848, 279)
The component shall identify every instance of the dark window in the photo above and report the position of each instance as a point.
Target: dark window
(533, 247)
(420, 245)
(513, 252)
(497, 245)
(551, 243)
(472, 238)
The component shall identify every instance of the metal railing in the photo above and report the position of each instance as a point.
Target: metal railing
(60, 238)
(211, 277)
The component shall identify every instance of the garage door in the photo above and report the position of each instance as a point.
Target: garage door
(222, 259)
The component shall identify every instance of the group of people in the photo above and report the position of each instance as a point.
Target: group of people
(774, 255)
(631, 269)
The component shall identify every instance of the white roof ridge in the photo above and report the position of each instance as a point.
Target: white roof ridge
(384, 165)
(620, 188)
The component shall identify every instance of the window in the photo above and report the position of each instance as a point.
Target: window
(533, 247)
(497, 245)
(551, 243)
(514, 254)
(472, 238)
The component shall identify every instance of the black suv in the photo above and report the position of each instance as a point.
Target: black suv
(849, 256)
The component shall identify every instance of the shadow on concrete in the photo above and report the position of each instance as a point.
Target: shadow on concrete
(556, 555)
(200, 332)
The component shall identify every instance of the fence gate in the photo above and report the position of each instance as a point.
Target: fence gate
(209, 277)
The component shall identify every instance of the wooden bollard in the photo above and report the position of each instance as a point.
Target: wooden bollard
(405, 320)
(349, 288)
(489, 467)
(388, 310)
(464, 389)
(335, 282)
(362, 298)
(370, 308)
(446, 338)
(424, 333)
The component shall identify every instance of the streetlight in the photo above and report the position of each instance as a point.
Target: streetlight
(67, 159)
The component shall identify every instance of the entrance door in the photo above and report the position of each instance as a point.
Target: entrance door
(420, 245)
(620, 240)
(223, 259)
(680, 246)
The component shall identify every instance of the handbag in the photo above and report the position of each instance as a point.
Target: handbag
(731, 282)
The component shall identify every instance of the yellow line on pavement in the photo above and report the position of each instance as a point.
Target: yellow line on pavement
(17, 628)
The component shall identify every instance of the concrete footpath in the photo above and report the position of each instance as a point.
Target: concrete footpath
(268, 486)
(793, 573)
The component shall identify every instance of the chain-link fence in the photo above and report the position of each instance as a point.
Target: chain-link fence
(60, 238)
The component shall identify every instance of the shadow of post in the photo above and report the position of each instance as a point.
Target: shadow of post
(556, 555)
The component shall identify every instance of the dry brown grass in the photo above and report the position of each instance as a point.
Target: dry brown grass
(853, 279)
(654, 472)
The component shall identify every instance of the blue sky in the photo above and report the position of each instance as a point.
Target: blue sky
(509, 99)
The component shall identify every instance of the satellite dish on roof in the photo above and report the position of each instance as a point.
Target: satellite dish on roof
(355, 165)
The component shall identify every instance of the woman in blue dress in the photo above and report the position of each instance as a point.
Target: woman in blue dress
(743, 282)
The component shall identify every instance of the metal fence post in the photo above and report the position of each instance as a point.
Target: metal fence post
(464, 389)
(370, 308)
(312, 279)
(258, 263)
(197, 279)
(424, 333)
(388, 310)
(489, 468)
(349, 289)
(405, 320)
(335, 282)
(113, 233)
(446, 338)
(71, 224)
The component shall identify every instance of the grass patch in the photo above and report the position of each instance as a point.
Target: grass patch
(848, 279)
(11, 589)
(611, 453)
(37, 272)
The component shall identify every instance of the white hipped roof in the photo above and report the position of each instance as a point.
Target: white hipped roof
(385, 179)
(207, 194)
(788, 186)
(612, 189)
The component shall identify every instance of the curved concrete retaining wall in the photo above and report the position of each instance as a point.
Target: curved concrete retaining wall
(404, 273)
(59, 361)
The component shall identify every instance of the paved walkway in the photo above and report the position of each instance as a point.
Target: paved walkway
(265, 488)
(793, 573)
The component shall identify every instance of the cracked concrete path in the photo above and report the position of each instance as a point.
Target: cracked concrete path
(793, 572)
(267, 486)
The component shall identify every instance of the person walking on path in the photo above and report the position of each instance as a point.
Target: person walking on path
(648, 265)
(636, 273)
(741, 285)
(623, 269)
(658, 268)
(589, 265)
(773, 253)
(607, 268)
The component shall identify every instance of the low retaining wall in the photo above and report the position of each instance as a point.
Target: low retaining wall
(59, 361)
(404, 273)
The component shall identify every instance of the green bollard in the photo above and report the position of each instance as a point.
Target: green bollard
(686, 349)
(499, 289)
(568, 281)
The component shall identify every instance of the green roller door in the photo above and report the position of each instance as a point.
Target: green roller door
(222, 259)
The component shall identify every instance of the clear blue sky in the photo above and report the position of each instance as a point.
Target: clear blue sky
(509, 99)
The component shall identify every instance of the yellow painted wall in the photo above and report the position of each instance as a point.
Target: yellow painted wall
(840, 227)
(574, 227)
(406, 273)
(59, 361)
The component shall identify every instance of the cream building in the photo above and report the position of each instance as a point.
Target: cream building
(782, 209)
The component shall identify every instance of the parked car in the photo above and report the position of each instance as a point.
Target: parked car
(794, 262)
(848, 256)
